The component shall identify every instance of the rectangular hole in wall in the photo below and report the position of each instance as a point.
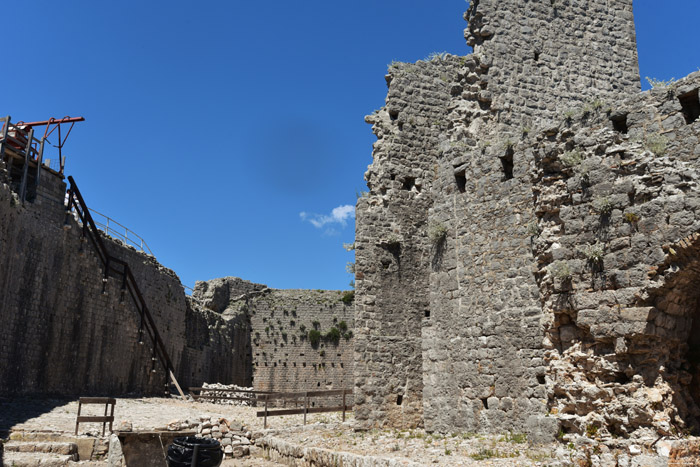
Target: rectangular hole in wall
(507, 164)
(427, 313)
(461, 180)
(399, 399)
(408, 183)
(485, 402)
(691, 106)
(620, 123)
(540, 379)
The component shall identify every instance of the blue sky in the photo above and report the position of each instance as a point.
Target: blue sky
(230, 134)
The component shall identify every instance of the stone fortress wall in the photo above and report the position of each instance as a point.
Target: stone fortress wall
(453, 316)
(280, 353)
(60, 334)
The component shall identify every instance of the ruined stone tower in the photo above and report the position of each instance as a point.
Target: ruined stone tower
(448, 311)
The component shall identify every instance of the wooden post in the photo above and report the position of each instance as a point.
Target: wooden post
(39, 162)
(25, 170)
(3, 137)
(343, 404)
(266, 398)
(306, 405)
(111, 414)
(104, 424)
(80, 406)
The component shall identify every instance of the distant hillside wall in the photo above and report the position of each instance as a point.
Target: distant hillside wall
(60, 334)
(282, 357)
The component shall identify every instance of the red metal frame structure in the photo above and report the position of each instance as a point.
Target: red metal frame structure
(56, 123)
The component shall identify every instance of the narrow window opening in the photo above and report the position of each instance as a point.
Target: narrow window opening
(427, 313)
(691, 106)
(393, 177)
(507, 163)
(461, 179)
(485, 401)
(537, 55)
(408, 183)
(318, 385)
(399, 399)
(540, 379)
(620, 123)
(393, 114)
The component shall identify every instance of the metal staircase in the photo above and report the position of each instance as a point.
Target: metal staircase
(114, 267)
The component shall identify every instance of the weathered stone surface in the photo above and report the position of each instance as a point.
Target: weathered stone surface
(529, 241)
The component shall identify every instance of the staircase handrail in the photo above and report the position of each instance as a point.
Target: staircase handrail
(90, 230)
(127, 237)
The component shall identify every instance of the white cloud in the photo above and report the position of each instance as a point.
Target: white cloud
(339, 215)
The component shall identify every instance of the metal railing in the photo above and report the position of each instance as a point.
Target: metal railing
(116, 230)
(119, 268)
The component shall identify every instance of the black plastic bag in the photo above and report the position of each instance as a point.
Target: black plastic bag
(181, 452)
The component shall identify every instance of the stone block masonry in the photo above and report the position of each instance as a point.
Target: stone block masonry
(59, 334)
(449, 310)
(617, 253)
(282, 354)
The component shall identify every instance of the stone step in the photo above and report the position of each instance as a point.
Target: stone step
(36, 436)
(53, 447)
(36, 459)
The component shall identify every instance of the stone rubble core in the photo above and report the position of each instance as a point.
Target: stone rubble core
(525, 253)
(212, 392)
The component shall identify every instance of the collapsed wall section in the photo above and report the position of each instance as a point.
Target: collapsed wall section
(616, 245)
(61, 334)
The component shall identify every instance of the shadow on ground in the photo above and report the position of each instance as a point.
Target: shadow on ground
(14, 411)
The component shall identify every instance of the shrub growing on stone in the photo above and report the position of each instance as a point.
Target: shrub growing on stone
(533, 229)
(631, 217)
(594, 253)
(314, 337)
(656, 143)
(571, 158)
(560, 270)
(348, 297)
(436, 233)
(603, 206)
(333, 335)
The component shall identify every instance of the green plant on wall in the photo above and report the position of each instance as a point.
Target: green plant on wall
(571, 158)
(333, 335)
(560, 270)
(659, 83)
(594, 253)
(656, 143)
(314, 337)
(436, 233)
(603, 206)
(533, 228)
(348, 297)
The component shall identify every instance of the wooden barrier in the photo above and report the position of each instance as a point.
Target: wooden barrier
(307, 395)
(107, 401)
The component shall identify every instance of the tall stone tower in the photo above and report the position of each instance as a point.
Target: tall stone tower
(447, 306)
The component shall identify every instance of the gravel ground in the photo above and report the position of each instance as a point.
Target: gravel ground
(322, 431)
(58, 415)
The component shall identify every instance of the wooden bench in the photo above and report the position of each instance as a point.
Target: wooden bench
(107, 401)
